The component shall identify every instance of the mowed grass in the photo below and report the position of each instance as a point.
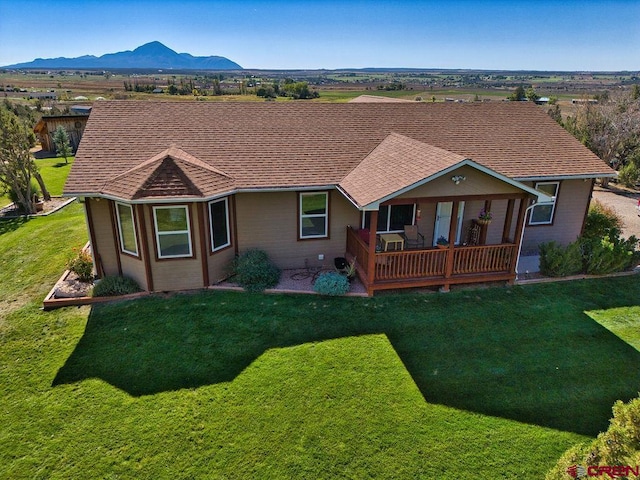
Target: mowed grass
(623, 322)
(492, 383)
(487, 383)
(54, 171)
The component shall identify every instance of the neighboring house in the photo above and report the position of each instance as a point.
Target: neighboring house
(173, 191)
(73, 124)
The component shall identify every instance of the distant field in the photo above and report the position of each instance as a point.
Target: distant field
(332, 85)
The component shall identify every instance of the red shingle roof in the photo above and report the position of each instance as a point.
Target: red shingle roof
(230, 146)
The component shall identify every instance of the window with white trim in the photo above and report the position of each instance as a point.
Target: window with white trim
(392, 218)
(314, 215)
(173, 231)
(542, 213)
(127, 229)
(219, 222)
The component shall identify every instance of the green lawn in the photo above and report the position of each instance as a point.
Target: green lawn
(487, 383)
(54, 172)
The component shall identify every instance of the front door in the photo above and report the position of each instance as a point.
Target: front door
(443, 221)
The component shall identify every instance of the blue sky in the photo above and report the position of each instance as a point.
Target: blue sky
(510, 35)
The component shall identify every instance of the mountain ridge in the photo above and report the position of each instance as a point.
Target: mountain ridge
(150, 55)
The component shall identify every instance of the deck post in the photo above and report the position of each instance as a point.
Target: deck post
(518, 236)
(371, 260)
(507, 221)
(483, 229)
(453, 226)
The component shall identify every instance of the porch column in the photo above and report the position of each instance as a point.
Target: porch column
(453, 226)
(483, 228)
(518, 236)
(507, 221)
(371, 260)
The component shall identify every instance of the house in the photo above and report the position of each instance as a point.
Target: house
(173, 191)
(73, 124)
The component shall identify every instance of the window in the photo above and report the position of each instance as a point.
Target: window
(127, 229)
(173, 234)
(392, 218)
(314, 215)
(542, 213)
(219, 221)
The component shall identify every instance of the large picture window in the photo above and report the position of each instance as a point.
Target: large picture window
(127, 229)
(173, 232)
(542, 213)
(392, 218)
(219, 221)
(314, 215)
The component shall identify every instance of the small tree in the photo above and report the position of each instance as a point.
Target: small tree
(63, 145)
(17, 166)
(518, 95)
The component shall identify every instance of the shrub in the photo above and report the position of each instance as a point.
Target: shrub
(619, 445)
(82, 265)
(559, 261)
(331, 283)
(629, 175)
(602, 256)
(602, 221)
(255, 272)
(112, 286)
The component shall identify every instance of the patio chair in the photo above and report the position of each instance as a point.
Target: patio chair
(412, 237)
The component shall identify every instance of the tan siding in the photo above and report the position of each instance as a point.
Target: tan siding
(219, 262)
(134, 268)
(573, 198)
(175, 274)
(269, 221)
(476, 183)
(103, 232)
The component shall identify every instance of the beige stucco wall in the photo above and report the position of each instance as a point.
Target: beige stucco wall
(476, 183)
(571, 205)
(269, 221)
(219, 261)
(103, 233)
(176, 273)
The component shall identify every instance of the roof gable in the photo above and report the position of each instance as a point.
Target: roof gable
(397, 163)
(171, 173)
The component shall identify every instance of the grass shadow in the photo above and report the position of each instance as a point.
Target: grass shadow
(528, 353)
(60, 164)
(12, 223)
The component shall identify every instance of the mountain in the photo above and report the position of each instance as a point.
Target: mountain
(150, 55)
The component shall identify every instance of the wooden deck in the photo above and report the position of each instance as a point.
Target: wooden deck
(432, 266)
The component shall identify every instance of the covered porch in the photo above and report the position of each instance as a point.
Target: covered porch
(471, 259)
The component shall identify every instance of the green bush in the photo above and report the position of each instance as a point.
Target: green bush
(598, 251)
(619, 445)
(112, 286)
(602, 256)
(629, 175)
(602, 221)
(255, 272)
(559, 261)
(331, 283)
(82, 265)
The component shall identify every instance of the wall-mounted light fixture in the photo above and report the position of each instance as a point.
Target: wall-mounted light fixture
(458, 178)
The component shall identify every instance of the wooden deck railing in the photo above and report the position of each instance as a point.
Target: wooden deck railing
(408, 264)
(358, 248)
(483, 259)
(432, 262)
